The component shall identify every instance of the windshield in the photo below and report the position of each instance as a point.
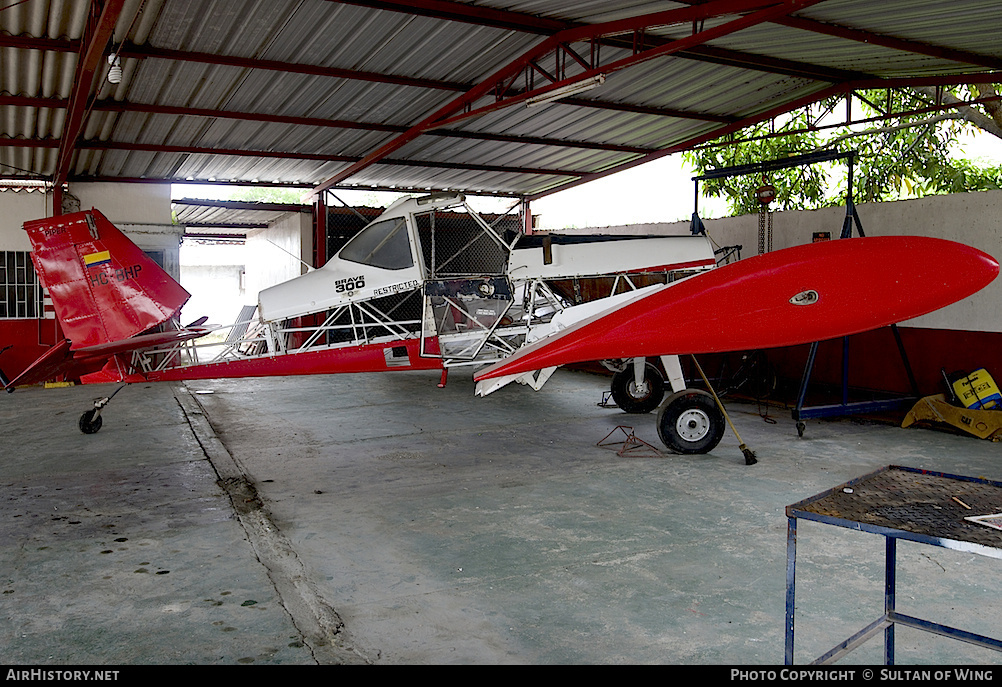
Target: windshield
(381, 244)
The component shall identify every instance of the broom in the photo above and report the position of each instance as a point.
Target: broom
(749, 455)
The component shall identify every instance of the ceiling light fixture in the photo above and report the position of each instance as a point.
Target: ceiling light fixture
(115, 73)
(565, 91)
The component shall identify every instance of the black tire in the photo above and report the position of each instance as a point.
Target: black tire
(90, 424)
(624, 390)
(690, 422)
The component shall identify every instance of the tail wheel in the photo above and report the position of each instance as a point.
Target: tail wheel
(690, 422)
(632, 399)
(90, 422)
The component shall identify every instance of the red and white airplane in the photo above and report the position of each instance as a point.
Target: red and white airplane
(415, 290)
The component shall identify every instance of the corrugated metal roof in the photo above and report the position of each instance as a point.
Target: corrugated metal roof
(297, 91)
(199, 216)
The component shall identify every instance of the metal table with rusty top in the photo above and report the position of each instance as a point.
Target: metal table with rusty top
(900, 503)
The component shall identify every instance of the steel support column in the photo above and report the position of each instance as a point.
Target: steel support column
(100, 27)
(320, 230)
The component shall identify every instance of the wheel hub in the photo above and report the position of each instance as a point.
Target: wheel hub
(639, 391)
(692, 425)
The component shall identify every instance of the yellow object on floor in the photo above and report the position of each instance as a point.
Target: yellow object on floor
(978, 390)
(984, 424)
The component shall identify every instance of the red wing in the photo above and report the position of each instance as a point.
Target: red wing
(792, 296)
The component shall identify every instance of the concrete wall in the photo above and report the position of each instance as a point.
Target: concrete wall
(142, 211)
(161, 238)
(214, 276)
(16, 209)
(224, 278)
(126, 203)
(271, 252)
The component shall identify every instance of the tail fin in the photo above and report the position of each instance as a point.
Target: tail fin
(103, 287)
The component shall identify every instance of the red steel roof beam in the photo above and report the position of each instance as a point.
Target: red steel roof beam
(582, 33)
(859, 36)
(143, 51)
(935, 81)
(126, 106)
(101, 26)
(288, 155)
(644, 56)
(30, 43)
(470, 14)
(271, 184)
(528, 23)
(862, 36)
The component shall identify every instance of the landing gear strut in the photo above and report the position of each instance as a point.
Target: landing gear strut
(90, 421)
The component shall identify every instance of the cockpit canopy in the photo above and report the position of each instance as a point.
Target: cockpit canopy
(384, 244)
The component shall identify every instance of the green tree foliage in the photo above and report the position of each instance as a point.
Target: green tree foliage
(906, 157)
(274, 194)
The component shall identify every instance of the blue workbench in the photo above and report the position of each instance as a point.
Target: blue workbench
(900, 503)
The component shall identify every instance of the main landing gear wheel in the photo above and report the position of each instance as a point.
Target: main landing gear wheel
(690, 422)
(90, 422)
(632, 399)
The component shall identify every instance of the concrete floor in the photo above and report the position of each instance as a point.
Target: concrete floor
(378, 519)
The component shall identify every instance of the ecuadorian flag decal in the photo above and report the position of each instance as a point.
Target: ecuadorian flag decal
(95, 259)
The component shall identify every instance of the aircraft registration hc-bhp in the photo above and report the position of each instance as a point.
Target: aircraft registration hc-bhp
(417, 290)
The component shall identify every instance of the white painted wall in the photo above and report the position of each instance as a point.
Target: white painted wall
(974, 219)
(271, 253)
(214, 276)
(16, 208)
(126, 203)
(165, 238)
(141, 211)
(224, 278)
(121, 203)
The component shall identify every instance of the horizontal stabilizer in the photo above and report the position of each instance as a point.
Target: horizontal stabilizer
(143, 342)
(61, 359)
(103, 287)
(793, 296)
(53, 362)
